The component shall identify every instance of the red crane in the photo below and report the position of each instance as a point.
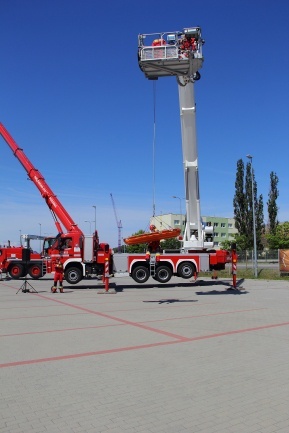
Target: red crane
(118, 223)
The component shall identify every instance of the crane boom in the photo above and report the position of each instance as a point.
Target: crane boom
(56, 208)
(118, 223)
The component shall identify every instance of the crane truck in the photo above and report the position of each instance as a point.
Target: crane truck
(10, 257)
(179, 54)
(81, 255)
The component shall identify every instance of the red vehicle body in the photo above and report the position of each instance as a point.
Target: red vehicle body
(80, 254)
(162, 266)
(11, 262)
(196, 253)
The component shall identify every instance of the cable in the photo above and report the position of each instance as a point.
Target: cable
(154, 146)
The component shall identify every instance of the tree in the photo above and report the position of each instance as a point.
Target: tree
(240, 201)
(272, 203)
(171, 244)
(279, 240)
(260, 226)
(243, 208)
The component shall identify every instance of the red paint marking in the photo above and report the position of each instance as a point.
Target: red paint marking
(144, 346)
(37, 317)
(126, 322)
(116, 324)
(60, 330)
(204, 315)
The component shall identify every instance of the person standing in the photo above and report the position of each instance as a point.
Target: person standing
(58, 276)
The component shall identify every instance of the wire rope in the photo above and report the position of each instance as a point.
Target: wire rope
(154, 148)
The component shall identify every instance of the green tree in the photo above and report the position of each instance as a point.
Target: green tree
(226, 245)
(260, 226)
(281, 237)
(171, 244)
(240, 200)
(243, 208)
(272, 203)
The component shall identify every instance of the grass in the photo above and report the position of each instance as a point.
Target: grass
(263, 274)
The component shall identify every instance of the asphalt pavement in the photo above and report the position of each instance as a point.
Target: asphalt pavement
(196, 357)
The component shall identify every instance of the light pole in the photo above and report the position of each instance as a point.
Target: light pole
(94, 218)
(174, 196)
(20, 237)
(250, 157)
(40, 236)
(86, 221)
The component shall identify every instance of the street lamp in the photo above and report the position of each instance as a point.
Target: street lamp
(40, 236)
(250, 157)
(174, 196)
(94, 218)
(86, 221)
(20, 237)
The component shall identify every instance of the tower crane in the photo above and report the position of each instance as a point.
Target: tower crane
(118, 223)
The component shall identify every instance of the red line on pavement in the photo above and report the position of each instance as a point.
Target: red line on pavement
(117, 324)
(204, 315)
(144, 346)
(37, 317)
(126, 322)
(61, 330)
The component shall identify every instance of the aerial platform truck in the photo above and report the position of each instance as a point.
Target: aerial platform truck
(179, 54)
(82, 255)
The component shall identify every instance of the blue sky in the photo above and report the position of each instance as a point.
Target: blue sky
(73, 97)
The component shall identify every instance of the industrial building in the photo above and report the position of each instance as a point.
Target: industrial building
(224, 228)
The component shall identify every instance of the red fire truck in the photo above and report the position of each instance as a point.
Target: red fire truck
(81, 255)
(178, 54)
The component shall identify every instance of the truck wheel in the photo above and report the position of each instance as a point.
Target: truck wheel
(140, 274)
(163, 274)
(186, 270)
(73, 275)
(35, 271)
(16, 271)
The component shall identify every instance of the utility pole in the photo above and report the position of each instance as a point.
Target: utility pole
(250, 157)
(118, 223)
(94, 218)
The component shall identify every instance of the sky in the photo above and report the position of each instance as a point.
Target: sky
(74, 99)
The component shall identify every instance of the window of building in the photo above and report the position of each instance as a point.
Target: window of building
(230, 225)
(177, 222)
(223, 235)
(216, 224)
(216, 234)
(216, 244)
(223, 225)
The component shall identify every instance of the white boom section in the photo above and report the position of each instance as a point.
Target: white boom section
(193, 230)
(195, 233)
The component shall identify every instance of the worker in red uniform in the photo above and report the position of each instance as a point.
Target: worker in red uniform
(154, 246)
(58, 276)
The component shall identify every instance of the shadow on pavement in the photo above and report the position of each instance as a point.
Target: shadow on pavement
(172, 301)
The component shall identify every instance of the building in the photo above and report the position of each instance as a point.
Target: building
(224, 228)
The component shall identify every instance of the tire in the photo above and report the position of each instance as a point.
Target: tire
(35, 271)
(163, 274)
(186, 270)
(73, 275)
(140, 274)
(16, 271)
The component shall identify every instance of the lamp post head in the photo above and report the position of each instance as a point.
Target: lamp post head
(249, 156)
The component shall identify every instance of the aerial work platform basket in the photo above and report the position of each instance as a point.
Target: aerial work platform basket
(171, 53)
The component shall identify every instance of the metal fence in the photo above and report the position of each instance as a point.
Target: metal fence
(262, 256)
